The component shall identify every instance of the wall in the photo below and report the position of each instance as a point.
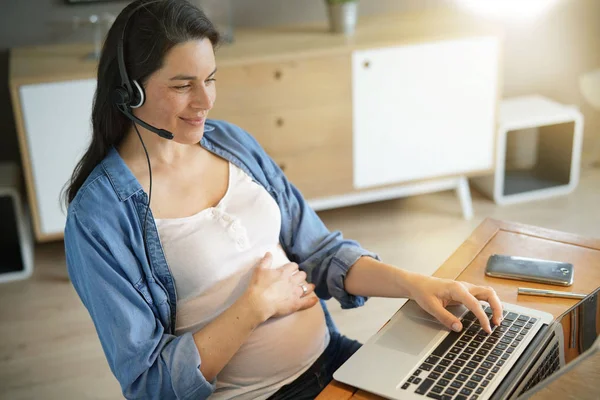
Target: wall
(544, 56)
(549, 55)
(34, 22)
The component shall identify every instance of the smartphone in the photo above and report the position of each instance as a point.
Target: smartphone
(530, 269)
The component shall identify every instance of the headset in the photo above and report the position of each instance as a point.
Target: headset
(131, 95)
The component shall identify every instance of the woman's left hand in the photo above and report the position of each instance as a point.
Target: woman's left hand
(434, 294)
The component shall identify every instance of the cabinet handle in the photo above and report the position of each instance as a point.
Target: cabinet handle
(282, 166)
(278, 74)
(279, 122)
(367, 64)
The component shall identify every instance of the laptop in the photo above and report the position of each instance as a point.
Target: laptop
(414, 357)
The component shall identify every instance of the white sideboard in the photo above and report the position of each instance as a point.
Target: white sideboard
(406, 106)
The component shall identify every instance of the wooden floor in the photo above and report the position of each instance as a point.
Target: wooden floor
(49, 348)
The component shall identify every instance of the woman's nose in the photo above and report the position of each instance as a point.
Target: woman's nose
(203, 99)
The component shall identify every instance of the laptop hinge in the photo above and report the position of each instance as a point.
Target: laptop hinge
(513, 378)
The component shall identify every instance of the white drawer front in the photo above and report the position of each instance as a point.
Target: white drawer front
(424, 110)
(57, 119)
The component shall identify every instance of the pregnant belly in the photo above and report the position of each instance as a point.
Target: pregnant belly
(279, 347)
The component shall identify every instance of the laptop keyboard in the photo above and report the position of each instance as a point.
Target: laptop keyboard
(463, 365)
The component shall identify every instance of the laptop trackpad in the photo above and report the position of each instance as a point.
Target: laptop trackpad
(411, 331)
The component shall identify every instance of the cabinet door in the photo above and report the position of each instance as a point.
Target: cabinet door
(57, 124)
(424, 110)
(300, 112)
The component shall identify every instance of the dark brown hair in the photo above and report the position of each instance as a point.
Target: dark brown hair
(153, 29)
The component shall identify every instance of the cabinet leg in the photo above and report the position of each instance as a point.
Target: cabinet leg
(464, 196)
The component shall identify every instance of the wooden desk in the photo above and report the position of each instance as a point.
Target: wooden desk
(493, 236)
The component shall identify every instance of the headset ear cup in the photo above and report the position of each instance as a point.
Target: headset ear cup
(139, 96)
(121, 97)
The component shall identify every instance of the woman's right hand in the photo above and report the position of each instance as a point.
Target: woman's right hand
(278, 292)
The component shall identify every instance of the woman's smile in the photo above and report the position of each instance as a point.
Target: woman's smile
(194, 121)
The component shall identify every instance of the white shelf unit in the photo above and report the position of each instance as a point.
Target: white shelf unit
(557, 139)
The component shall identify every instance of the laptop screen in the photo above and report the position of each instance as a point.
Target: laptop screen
(581, 326)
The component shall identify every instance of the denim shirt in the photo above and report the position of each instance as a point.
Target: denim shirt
(131, 296)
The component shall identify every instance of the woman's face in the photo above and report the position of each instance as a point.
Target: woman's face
(181, 93)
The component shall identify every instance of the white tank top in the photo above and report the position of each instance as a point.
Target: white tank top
(212, 255)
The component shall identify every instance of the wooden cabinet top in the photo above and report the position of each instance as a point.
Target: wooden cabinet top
(60, 62)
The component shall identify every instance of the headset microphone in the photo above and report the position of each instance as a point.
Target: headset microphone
(160, 132)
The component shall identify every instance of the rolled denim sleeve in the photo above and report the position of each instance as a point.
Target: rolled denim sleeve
(325, 256)
(340, 263)
(148, 362)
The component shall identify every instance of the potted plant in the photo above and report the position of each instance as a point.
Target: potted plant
(342, 15)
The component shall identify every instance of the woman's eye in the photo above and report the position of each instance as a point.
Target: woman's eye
(211, 80)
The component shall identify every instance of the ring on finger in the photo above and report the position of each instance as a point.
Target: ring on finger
(304, 289)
